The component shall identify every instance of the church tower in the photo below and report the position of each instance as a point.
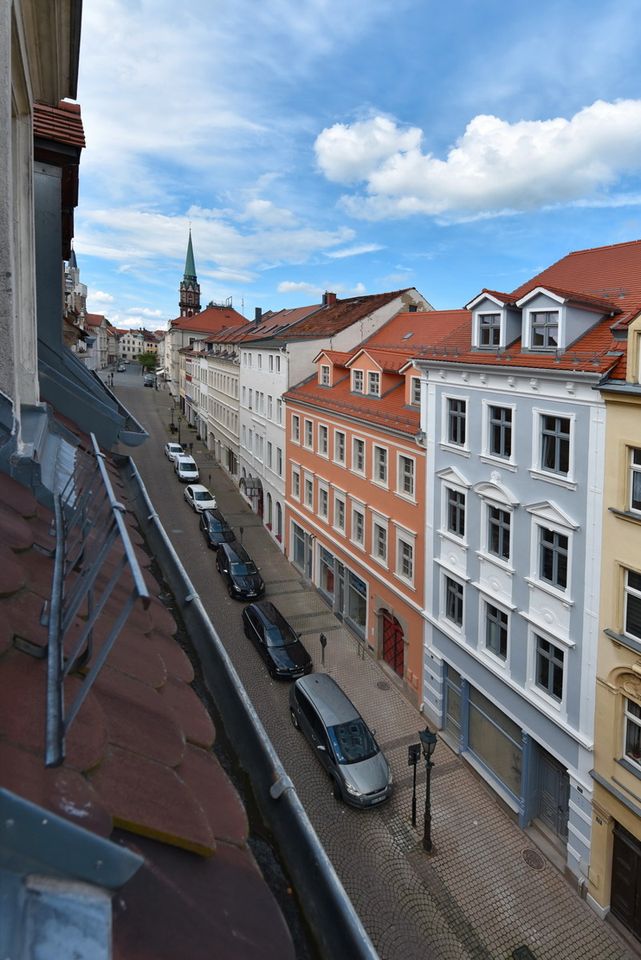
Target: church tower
(189, 302)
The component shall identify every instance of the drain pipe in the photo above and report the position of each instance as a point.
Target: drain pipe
(327, 908)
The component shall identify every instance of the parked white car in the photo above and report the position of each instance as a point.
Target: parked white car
(173, 450)
(199, 498)
(186, 469)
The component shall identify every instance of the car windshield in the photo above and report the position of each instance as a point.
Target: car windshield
(243, 569)
(187, 465)
(275, 637)
(202, 495)
(352, 742)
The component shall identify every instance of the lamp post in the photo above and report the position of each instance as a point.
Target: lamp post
(179, 422)
(428, 742)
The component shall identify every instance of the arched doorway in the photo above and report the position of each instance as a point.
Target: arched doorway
(393, 643)
(279, 521)
(269, 510)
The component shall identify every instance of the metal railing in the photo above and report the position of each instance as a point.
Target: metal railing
(94, 558)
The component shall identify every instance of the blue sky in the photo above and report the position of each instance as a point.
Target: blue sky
(350, 145)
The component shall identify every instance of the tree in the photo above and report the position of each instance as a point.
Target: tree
(147, 361)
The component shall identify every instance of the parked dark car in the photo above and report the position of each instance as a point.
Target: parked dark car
(215, 528)
(276, 640)
(239, 571)
(341, 740)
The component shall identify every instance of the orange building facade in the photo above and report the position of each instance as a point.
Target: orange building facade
(355, 511)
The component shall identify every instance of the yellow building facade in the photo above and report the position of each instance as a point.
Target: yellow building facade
(615, 865)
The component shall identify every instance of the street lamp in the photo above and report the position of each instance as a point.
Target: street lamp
(428, 742)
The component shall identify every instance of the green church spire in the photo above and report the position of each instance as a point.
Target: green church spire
(190, 267)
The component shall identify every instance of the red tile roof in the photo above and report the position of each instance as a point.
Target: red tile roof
(210, 320)
(94, 319)
(337, 316)
(611, 273)
(62, 123)
(139, 757)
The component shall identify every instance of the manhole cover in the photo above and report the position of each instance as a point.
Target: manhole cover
(383, 685)
(533, 859)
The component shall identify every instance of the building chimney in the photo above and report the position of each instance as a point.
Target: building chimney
(258, 314)
(328, 299)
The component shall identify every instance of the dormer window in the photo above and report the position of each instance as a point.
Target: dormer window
(357, 381)
(374, 384)
(489, 330)
(415, 392)
(324, 375)
(544, 329)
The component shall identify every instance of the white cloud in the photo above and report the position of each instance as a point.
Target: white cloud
(99, 296)
(354, 251)
(347, 154)
(143, 238)
(264, 212)
(145, 312)
(495, 167)
(292, 286)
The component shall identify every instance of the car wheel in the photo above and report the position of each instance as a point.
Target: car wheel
(336, 790)
(230, 591)
(295, 722)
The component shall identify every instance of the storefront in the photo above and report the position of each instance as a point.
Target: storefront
(344, 590)
(532, 781)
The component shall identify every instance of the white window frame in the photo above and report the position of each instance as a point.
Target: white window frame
(478, 326)
(295, 428)
(486, 602)
(629, 591)
(376, 448)
(323, 448)
(415, 400)
(382, 522)
(564, 480)
(323, 375)
(339, 499)
(408, 539)
(357, 508)
(487, 433)
(373, 379)
(629, 717)
(308, 483)
(323, 488)
(340, 433)
(452, 624)
(296, 482)
(557, 706)
(399, 477)
(634, 469)
(447, 485)
(355, 468)
(358, 381)
(308, 434)
(445, 424)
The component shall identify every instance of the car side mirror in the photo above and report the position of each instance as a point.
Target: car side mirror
(321, 746)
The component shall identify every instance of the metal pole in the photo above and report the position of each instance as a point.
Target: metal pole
(414, 798)
(427, 826)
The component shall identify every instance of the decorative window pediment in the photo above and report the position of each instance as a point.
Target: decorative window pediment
(552, 514)
(452, 475)
(495, 491)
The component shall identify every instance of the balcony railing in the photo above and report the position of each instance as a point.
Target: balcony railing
(95, 562)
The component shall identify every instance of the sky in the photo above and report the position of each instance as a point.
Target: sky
(354, 146)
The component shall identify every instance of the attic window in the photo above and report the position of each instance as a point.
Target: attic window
(357, 381)
(489, 330)
(544, 326)
(406, 336)
(374, 384)
(324, 375)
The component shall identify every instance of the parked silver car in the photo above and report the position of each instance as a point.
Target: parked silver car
(341, 739)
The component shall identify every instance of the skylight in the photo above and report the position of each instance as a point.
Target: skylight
(406, 336)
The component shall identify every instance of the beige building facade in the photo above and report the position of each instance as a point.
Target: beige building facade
(615, 865)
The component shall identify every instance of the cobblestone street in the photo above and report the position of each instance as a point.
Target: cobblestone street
(486, 890)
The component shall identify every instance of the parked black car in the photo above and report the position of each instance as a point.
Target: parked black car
(276, 640)
(239, 571)
(215, 528)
